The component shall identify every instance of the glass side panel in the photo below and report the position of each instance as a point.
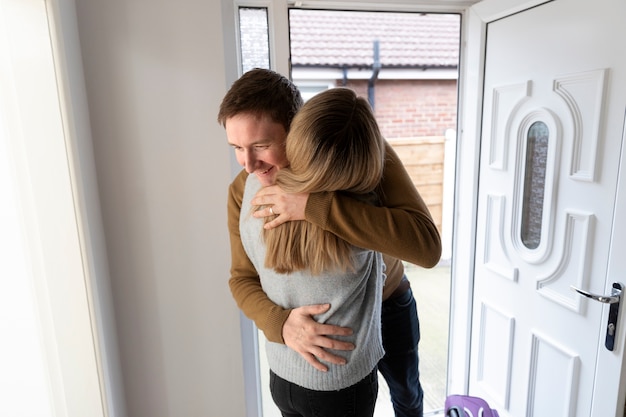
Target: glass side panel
(534, 184)
(253, 33)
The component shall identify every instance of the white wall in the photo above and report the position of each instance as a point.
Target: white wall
(154, 74)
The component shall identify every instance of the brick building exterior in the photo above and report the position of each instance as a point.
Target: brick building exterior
(415, 108)
(411, 80)
(414, 116)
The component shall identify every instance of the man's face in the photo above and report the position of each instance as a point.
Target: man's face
(259, 145)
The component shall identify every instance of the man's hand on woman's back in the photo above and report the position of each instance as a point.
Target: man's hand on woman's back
(312, 339)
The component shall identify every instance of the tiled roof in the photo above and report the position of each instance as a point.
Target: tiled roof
(323, 38)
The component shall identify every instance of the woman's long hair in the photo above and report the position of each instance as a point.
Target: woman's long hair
(334, 145)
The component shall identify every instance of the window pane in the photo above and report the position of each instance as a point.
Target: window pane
(253, 32)
(534, 184)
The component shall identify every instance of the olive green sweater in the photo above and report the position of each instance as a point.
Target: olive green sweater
(401, 228)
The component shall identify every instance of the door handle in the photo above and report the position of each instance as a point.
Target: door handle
(614, 299)
(615, 296)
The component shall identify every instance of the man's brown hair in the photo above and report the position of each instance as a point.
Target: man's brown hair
(262, 92)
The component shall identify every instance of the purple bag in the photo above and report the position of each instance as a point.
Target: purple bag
(467, 406)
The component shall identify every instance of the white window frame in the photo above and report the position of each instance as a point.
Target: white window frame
(461, 286)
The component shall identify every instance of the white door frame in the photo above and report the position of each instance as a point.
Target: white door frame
(279, 61)
(617, 270)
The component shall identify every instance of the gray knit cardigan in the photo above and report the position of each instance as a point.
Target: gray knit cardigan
(355, 300)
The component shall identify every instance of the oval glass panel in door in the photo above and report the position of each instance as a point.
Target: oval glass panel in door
(534, 184)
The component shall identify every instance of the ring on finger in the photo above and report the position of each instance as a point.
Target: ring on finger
(272, 211)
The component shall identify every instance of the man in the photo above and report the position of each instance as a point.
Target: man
(257, 112)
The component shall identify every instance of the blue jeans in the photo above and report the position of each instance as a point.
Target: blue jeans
(357, 400)
(399, 366)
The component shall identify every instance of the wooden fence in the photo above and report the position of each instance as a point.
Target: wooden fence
(423, 158)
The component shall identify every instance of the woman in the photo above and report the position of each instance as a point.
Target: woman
(334, 145)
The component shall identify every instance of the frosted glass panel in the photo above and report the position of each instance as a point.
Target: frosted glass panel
(534, 184)
(253, 33)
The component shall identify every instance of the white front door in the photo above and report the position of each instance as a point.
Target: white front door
(550, 152)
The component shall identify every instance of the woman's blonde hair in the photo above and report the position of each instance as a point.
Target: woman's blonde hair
(334, 145)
